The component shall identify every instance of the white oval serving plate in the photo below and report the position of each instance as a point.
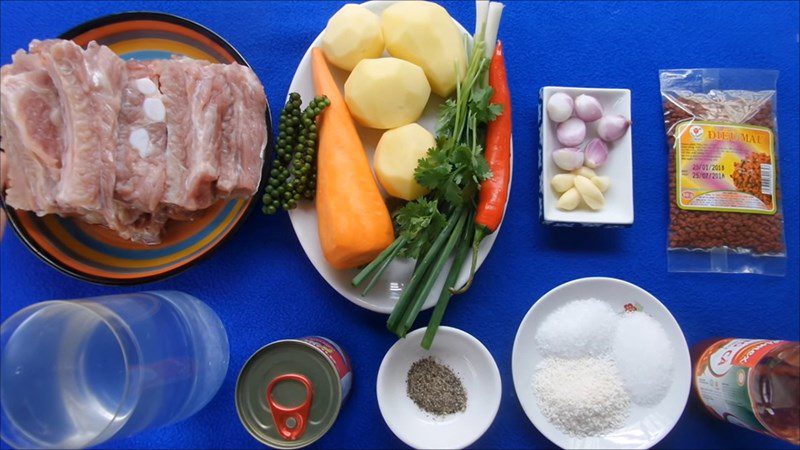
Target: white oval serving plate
(645, 426)
(470, 361)
(389, 286)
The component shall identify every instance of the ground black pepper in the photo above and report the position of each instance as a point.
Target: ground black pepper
(435, 388)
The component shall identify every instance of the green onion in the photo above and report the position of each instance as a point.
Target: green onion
(441, 258)
(450, 282)
(386, 255)
(405, 298)
(380, 271)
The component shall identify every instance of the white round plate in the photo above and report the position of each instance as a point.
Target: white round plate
(645, 426)
(389, 286)
(473, 364)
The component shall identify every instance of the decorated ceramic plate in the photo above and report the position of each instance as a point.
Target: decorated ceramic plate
(95, 253)
(389, 286)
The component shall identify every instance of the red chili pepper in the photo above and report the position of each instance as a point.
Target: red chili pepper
(494, 191)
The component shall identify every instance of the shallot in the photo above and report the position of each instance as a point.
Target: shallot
(596, 152)
(611, 128)
(568, 158)
(559, 107)
(571, 132)
(587, 108)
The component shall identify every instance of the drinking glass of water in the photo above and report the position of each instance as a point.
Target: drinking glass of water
(77, 373)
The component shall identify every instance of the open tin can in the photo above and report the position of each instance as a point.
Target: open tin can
(289, 392)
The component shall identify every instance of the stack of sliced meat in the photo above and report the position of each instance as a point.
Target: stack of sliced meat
(127, 144)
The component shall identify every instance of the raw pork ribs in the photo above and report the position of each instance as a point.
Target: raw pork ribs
(127, 144)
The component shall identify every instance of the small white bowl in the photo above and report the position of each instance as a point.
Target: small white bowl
(618, 209)
(473, 364)
(645, 426)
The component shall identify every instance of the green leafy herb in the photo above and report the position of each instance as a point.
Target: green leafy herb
(447, 114)
(449, 168)
(419, 222)
(480, 106)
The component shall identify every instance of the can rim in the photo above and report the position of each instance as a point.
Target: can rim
(330, 364)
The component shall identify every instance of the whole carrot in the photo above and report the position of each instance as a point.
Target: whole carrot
(353, 222)
(494, 191)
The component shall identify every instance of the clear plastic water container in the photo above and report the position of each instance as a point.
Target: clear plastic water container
(77, 373)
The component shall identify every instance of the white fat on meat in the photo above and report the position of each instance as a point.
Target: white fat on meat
(140, 152)
(146, 86)
(154, 109)
(140, 140)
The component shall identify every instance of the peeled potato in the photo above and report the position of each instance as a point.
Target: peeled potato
(352, 34)
(396, 158)
(425, 34)
(386, 93)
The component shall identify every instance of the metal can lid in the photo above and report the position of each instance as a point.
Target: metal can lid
(279, 359)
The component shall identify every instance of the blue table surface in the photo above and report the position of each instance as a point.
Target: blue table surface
(264, 288)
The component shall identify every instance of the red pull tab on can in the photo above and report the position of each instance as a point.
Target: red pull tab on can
(290, 421)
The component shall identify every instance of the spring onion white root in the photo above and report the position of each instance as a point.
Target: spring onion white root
(492, 25)
(481, 11)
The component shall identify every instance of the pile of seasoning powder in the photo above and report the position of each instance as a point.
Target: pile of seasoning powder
(597, 363)
(435, 388)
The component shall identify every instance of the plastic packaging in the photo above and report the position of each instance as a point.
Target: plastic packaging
(725, 209)
(75, 374)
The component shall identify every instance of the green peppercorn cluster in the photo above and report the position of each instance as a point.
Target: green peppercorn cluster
(293, 173)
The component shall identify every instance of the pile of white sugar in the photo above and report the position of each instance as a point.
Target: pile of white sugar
(597, 362)
(579, 328)
(643, 354)
(583, 397)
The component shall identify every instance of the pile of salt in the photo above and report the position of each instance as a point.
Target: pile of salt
(643, 354)
(578, 329)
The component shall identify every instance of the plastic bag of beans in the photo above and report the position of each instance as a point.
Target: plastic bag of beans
(724, 196)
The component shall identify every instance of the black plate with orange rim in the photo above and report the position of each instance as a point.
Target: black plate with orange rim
(95, 253)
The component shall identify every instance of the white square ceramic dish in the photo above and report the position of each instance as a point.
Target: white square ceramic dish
(618, 209)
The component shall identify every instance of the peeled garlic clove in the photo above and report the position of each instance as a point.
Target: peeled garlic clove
(559, 107)
(569, 200)
(568, 158)
(562, 182)
(584, 172)
(590, 193)
(571, 132)
(602, 183)
(595, 153)
(611, 128)
(587, 108)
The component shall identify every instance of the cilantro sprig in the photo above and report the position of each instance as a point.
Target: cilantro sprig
(419, 223)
